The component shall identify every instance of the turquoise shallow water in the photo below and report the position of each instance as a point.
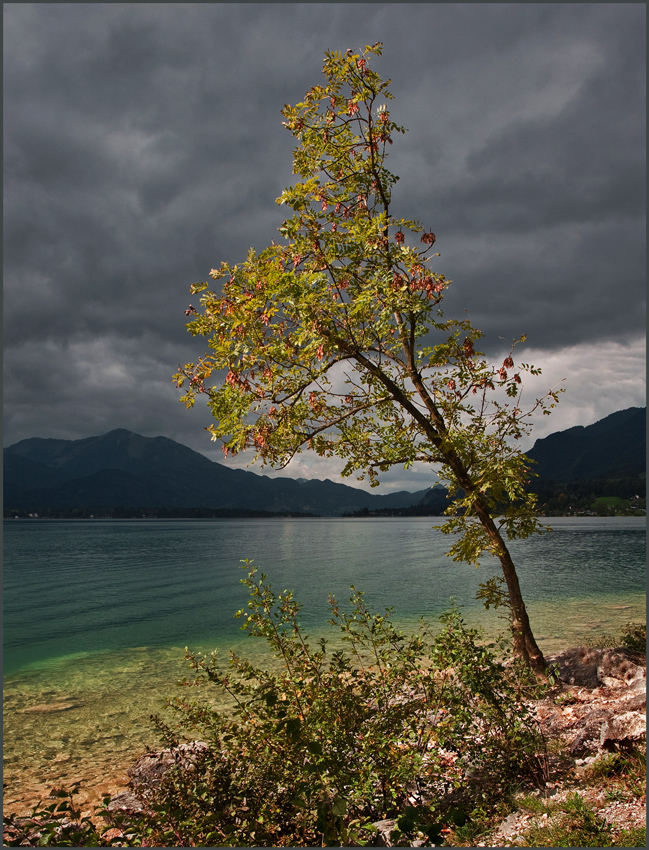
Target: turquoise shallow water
(84, 587)
(97, 613)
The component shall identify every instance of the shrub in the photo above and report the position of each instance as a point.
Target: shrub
(324, 742)
(634, 637)
(59, 823)
(320, 743)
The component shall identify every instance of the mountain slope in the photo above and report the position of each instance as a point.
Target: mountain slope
(613, 447)
(123, 469)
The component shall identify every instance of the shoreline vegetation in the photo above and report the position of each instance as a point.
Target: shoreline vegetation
(394, 740)
(588, 497)
(564, 503)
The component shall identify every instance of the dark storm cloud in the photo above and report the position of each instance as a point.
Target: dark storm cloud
(143, 145)
(545, 215)
(585, 165)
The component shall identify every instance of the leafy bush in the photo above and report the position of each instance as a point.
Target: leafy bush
(323, 743)
(60, 824)
(632, 636)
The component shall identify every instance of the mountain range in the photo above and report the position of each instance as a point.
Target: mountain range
(125, 470)
(135, 474)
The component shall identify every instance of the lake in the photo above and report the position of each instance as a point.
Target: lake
(97, 613)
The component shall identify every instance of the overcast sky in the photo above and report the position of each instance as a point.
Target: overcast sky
(143, 145)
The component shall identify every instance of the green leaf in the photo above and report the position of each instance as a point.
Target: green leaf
(339, 806)
(270, 698)
(293, 726)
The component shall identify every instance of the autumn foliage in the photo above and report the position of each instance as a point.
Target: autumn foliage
(335, 339)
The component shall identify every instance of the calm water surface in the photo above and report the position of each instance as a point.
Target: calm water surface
(97, 613)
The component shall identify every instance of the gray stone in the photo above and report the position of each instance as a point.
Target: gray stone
(590, 667)
(126, 802)
(635, 702)
(510, 826)
(383, 837)
(383, 830)
(151, 767)
(630, 726)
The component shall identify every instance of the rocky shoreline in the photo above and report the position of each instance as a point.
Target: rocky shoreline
(598, 707)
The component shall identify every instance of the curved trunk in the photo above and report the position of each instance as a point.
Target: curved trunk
(524, 643)
(435, 428)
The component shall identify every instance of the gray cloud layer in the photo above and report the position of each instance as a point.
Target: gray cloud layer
(143, 145)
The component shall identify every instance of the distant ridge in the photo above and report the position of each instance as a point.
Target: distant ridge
(126, 471)
(575, 471)
(613, 447)
(121, 469)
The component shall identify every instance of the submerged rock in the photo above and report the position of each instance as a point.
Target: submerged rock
(126, 802)
(148, 771)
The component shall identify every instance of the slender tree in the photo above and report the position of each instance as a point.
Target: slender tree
(335, 341)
